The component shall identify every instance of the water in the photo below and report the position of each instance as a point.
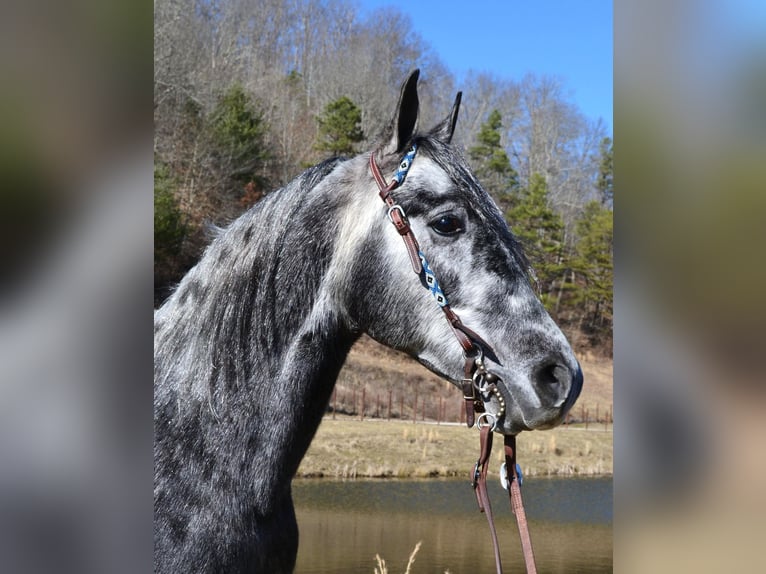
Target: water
(343, 524)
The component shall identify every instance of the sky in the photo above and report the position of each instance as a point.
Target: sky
(570, 40)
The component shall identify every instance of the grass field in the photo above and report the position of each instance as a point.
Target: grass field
(349, 448)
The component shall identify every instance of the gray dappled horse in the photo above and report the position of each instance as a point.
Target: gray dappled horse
(248, 347)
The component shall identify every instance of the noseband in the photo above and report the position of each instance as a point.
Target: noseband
(476, 377)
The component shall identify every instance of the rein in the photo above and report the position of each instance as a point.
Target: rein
(476, 377)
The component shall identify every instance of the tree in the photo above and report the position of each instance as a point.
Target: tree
(604, 183)
(238, 131)
(594, 268)
(540, 229)
(491, 161)
(169, 230)
(222, 148)
(340, 127)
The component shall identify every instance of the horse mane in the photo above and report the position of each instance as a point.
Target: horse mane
(216, 312)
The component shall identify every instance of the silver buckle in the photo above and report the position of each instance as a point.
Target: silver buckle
(398, 208)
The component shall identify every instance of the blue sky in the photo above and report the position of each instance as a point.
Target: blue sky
(568, 39)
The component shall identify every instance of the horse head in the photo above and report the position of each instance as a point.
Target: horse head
(481, 269)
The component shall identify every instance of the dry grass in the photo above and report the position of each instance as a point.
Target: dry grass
(348, 448)
(381, 568)
(394, 449)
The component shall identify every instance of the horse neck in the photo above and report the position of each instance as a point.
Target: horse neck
(254, 337)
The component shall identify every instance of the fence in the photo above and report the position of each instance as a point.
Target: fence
(427, 407)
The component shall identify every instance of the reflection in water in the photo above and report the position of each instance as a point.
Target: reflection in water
(344, 524)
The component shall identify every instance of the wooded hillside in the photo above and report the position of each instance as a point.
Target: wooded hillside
(250, 92)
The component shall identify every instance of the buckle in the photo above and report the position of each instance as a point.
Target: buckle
(397, 216)
(402, 215)
(466, 386)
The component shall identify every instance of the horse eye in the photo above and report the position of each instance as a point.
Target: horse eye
(447, 224)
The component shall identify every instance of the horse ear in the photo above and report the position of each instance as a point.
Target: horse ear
(446, 128)
(406, 117)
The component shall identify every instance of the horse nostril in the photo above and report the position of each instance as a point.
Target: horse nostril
(556, 384)
(552, 374)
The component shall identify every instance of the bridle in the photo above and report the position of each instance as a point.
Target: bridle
(476, 376)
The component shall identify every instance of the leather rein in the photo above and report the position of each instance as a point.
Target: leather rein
(477, 381)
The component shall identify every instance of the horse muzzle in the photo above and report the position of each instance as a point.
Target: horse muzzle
(540, 400)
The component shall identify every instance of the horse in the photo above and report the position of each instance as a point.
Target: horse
(250, 343)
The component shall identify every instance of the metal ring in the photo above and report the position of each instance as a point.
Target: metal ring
(476, 384)
(481, 416)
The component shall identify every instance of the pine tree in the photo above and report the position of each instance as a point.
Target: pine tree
(340, 127)
(238, 131)
(604, 183)
(595, 271)
(169, 230)
(541, 231)
(234, 174)
(491, 163)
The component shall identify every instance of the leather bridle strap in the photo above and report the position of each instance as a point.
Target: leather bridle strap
(465, 336)
(517, 506)
(395, 212)
(479, 482)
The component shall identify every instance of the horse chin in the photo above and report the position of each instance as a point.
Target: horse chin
(512, 425)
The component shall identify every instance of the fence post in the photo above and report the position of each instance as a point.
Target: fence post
(389, 404)
(361, 411)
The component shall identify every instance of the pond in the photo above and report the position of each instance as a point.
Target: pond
(344, 524)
